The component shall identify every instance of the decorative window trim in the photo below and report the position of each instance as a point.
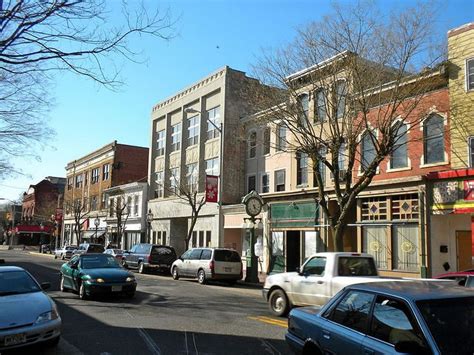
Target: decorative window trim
(359, 138)
(433, 111)
(389, 161)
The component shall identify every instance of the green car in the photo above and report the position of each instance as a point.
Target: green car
(96, 274)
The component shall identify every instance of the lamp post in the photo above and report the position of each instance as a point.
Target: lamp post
(220, 129)
(12, 231)
(96, 223)
(251, 274)
(149, 219)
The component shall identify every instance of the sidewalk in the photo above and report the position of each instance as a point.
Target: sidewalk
(261, 280)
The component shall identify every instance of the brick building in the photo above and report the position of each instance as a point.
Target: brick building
(88, 177)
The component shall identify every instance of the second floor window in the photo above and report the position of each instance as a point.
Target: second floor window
(111, 207)
(471, 152)
(214, 121)
(399, 157)
(160, 177)
(160, 143)
(266, 140)
(470, 74)
(320, 98)
(192, 176)
(212, 166)
(78, 181)
(176, 137)
(135, 205)
(95, 176)
(175, 177)
(281, 138)
(129, 205)
(251, 183)
(340, 98)
(433, 139)
(280, 180)
(368, 150)
(69, 183)
(265, 183)
(301, 169)
(93, 203)
(105, 171)
(303, 110)
(252, 144)
(193, 130)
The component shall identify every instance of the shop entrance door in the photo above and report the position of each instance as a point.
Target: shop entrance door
(464, 250)
(293, 250)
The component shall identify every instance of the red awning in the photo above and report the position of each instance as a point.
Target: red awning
(450, 174)
(24, 228)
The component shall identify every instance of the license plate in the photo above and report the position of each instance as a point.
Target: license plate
(228, 269)
(15, 339)
(116, 288)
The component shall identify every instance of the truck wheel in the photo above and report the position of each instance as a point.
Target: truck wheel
(278, 303)
(311, 348)
(175, 273)
(82, 292)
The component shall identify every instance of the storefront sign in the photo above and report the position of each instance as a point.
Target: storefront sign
(469, 190)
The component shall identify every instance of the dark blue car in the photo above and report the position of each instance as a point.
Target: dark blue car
(388, 317)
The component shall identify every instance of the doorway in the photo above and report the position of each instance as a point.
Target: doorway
(293, 250)
(464, 250)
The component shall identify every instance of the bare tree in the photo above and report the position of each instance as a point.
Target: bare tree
(187, 193)
(41, 38)
(120, 208)
(367, 76)
(80, 211)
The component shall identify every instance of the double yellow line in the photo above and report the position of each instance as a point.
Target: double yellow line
(274, 321)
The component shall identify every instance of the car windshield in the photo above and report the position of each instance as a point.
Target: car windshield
(15, 282)
(356, 266)
(226, 255)
(118, 251)
(451, 322)
(99, 261)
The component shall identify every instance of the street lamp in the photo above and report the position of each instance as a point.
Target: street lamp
(96, 223)
(220, 129)
(149, 219)
(13, 218)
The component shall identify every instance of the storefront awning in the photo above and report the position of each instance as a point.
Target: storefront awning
(32, 229)
(92, 234)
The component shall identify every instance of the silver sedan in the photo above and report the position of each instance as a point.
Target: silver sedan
(65, 252)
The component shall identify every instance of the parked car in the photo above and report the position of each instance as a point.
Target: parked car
(145, 257)
(65, 252)
(116, 253)
(392, 317)
(89, 248)
(93, 274)
(209, 264)
(27, 314)
(462, 278)
(320, 277)
(45, 249)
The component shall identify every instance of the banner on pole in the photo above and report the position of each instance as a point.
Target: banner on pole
(211, 188)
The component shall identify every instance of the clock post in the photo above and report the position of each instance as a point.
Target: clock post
(253, 206)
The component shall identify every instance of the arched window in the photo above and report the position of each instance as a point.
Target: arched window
(320, 105)
(368, 150)
(399, 156)
(252, 144)
(433, 139)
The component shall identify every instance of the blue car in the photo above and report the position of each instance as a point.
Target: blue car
(387, 317)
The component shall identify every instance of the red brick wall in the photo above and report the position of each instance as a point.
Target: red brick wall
(131, 164)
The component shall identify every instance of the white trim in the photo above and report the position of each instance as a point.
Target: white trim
(388, 170)
(389, 161)
(445, 162)
(443, 115)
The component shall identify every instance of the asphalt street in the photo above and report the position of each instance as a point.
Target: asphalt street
(165, 317)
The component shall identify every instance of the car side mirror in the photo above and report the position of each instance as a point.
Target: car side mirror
(45, 285)
(410, 347)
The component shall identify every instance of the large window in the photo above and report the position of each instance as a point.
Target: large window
(78, 183)
(193, 130)
(175, 177)
(105, 171)
(192, 177)
(280, 180)
(176, 137)
(95, 176)
(265, 183)
(340, 98)
(399, 157)
(252, 144)
(135, 205)
(303, 108)
(405, 248)
(368, 150)
(160, 177)
(433, 139)
(320, 97)
(212, 166)
(375, 243)
(160, 143)
(213, 122)
(266, 140)
(251, 183)
(281, 137)
(470, 74)
(301, 169)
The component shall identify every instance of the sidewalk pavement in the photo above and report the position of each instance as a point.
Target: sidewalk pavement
(261, 280)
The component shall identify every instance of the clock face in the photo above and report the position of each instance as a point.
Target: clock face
(254, 206)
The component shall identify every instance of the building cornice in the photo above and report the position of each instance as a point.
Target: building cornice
(93, 155)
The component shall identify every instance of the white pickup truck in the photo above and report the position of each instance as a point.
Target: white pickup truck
(317, 280)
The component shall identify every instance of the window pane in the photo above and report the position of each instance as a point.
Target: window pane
(193, 130)
(399, 158)
(265, 183)
(315, 266)
(405, 247)
(303, 110)
(353, 311)
(280, 180)
(433, 136)
(368, 150)
(213, 122)
(470, 74)
(341, 98)
(321, 105)
(302, 169)
(252, 144)
(251, 182)
(266, 140)
(281, 138)
(471, 152)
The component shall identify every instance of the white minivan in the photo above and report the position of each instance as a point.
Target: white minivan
(209, 264)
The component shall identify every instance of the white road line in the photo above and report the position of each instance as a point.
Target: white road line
(195, 346)
(151, 345)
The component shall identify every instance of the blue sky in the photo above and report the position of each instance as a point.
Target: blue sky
(211, 34)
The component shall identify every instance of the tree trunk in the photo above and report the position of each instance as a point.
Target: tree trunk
(338, 236)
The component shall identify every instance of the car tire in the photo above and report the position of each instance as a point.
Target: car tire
(141, 268)
(175, 273)
(55, 256)
(124, 263)
(82, 292)
(278, 303)
(201, 277)
(62, 288)
(310, 348)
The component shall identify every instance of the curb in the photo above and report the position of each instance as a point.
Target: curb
(41, 254)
